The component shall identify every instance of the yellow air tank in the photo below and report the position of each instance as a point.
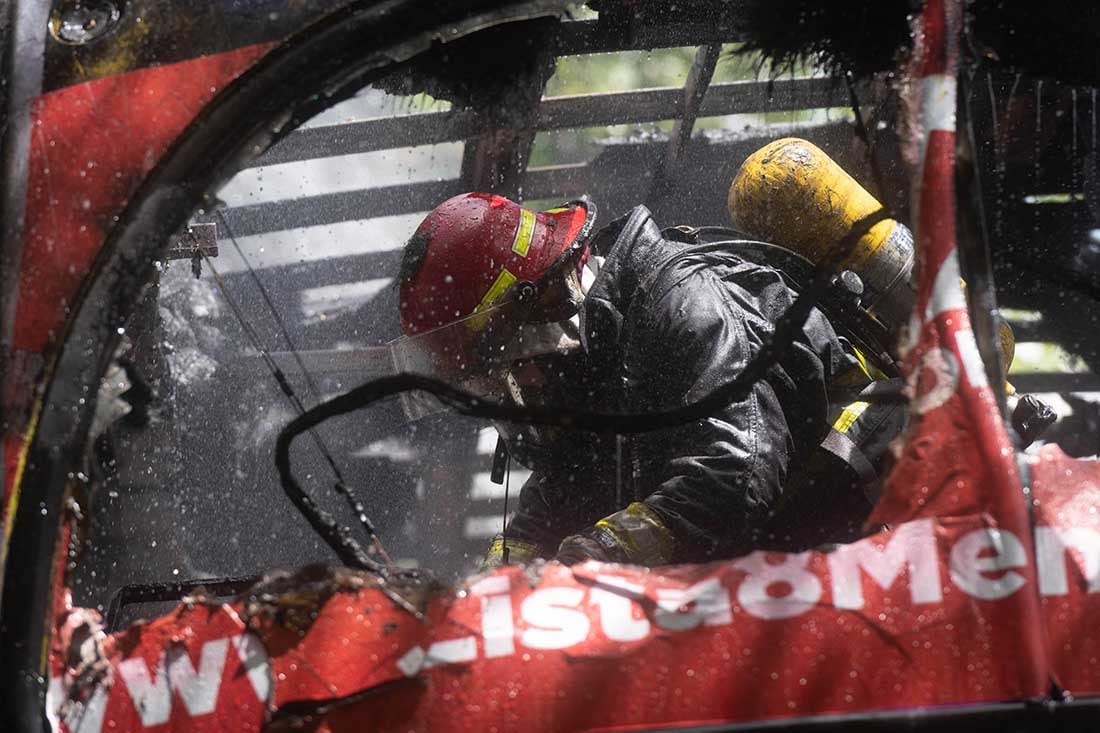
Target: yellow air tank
(792, 194)
(1007, 342)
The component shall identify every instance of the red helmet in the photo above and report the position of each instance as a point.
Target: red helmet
(473, 248)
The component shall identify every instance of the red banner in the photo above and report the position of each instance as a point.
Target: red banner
(957, 454)
(1067, 547)
(911, 617)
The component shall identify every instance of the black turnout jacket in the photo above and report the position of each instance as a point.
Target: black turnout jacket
(663, 325)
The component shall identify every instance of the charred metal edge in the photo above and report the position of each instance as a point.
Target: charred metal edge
(128, 595)
(324, 64)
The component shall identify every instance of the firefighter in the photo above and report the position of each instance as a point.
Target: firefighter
(535, 308)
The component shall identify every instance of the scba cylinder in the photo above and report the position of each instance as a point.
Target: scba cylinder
(792, 194)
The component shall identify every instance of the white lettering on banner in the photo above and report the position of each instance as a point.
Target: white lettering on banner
(982, 564)
(947, 293)
(911, 546)
(968, 563)
(449, 651)
(939, 366)
(684, 608)
(617, 609)
(253, 656)
(152, 698)
(78, 718)
(198, 690)
(55, 698)
(497, 630)
(973, 366)
(1051, 545)
(554, 622)
(910, 336)
(411, 662)
(803, 587)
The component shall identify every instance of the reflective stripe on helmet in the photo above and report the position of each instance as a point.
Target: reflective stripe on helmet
(500, 286)
(526, 227)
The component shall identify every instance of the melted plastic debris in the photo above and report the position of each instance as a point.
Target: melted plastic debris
(293, 600)
(80, 637)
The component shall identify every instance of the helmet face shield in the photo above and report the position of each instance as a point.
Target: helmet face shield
(490, 353)
(459, 350)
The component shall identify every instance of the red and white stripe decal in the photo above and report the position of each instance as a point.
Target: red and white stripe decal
(954, 407)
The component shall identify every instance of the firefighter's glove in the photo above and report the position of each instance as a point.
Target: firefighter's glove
(594, 543)
(1031, 418)
(518, 553)
(635, 535)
